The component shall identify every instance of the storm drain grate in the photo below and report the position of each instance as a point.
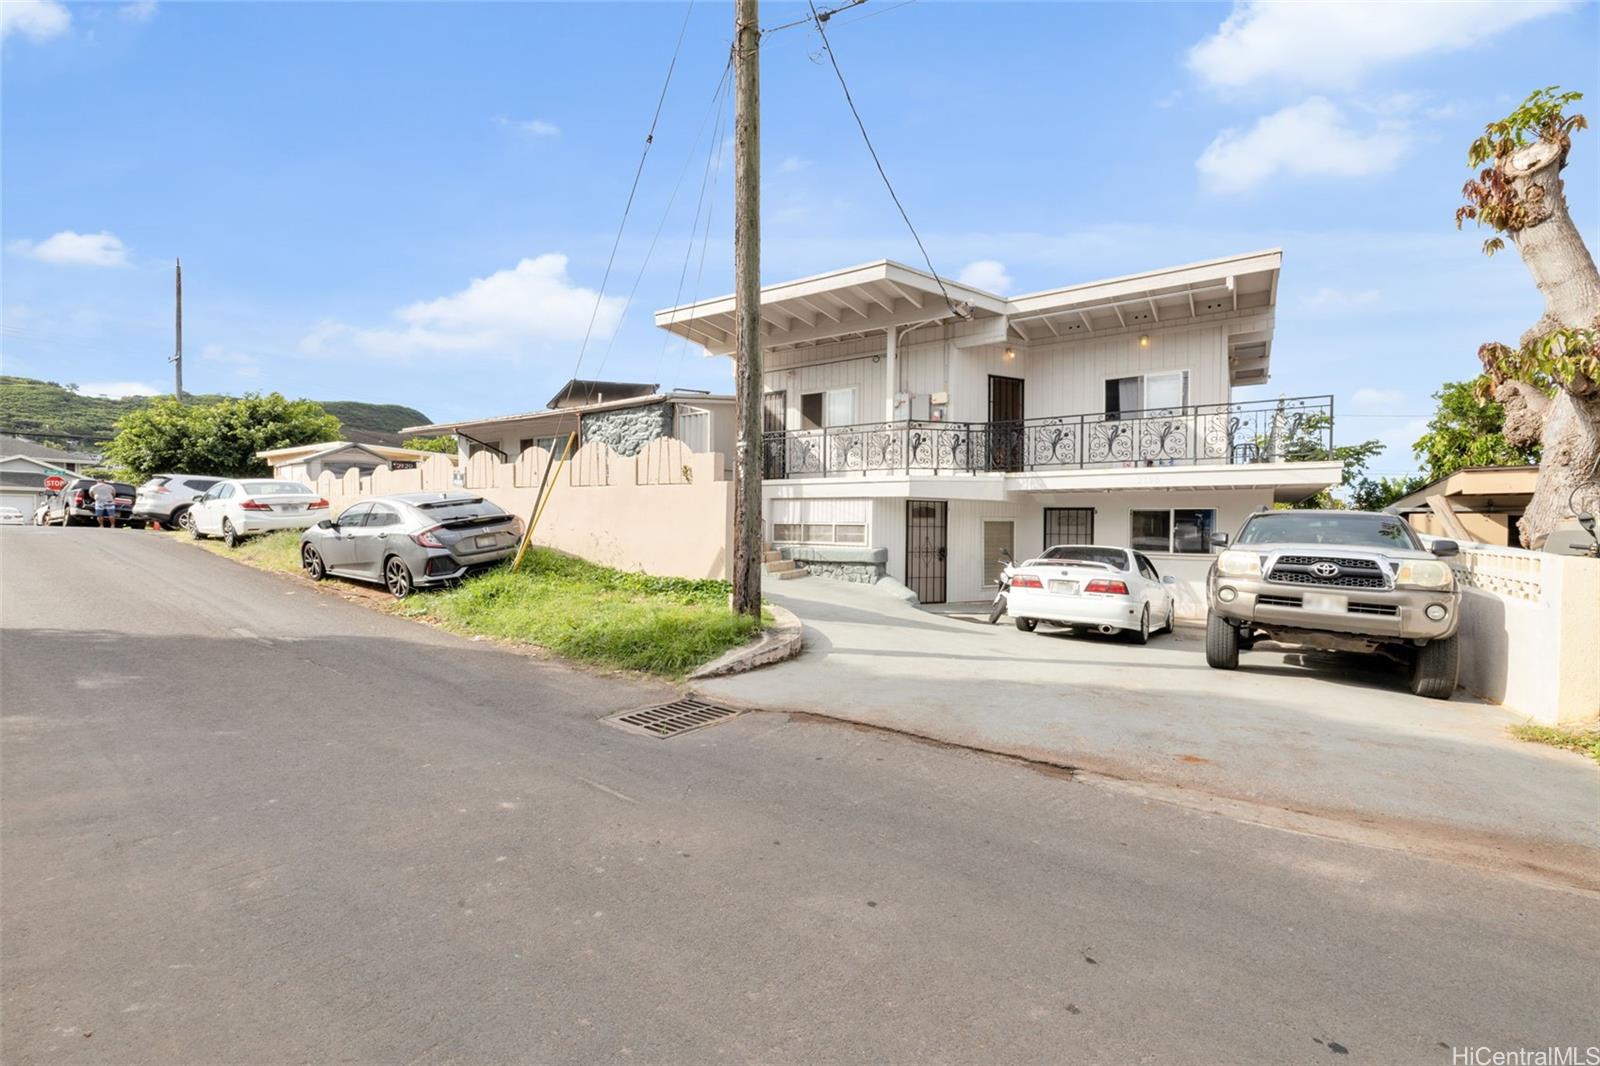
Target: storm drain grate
(670, 719)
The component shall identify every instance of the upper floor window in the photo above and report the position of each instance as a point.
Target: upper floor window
(1147, 392)
(834, 407)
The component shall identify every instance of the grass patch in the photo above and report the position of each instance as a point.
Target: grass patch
(270, 551)
(659, 625)
(1584, 741)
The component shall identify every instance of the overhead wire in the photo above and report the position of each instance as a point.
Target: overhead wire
(712, 110)
(649, 139)
(714, 172)
(822, 32)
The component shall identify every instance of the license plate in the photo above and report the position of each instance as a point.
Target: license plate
(291, 507)
(1069, 588)
(1321, 601)
(488, 540)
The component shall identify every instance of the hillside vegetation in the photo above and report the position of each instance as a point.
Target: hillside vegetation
(28, 405)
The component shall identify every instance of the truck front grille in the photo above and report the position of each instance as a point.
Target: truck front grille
(1351, 574)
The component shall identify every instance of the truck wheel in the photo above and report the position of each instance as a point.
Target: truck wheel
(1027, 625)
(1222, 644)
(1433, 671)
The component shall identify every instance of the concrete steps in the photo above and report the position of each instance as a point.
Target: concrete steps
(775, 565)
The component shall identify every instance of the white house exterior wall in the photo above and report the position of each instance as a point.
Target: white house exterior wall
(965, 519)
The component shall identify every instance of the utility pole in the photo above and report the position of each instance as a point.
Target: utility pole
(177, 355)
(747, 307)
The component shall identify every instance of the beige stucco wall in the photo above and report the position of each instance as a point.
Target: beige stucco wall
(665, 511)
(1527, 629)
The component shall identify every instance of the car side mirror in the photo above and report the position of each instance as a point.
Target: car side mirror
(1168, 579)
(1220, 540)
(1445, 548)
(198, 499)
(326, 523)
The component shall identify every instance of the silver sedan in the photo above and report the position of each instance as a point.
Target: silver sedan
(410, 540)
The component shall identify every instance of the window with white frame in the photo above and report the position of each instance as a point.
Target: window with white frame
(819, 533)
(1166, 391)
(827, 409)
(1174, 531)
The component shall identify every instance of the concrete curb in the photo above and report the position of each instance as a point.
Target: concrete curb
(779, 641)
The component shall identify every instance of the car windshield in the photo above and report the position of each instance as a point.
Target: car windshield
(1071, 553)
(274, 488)
(1314, 527)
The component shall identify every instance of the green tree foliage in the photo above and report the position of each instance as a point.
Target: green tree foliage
(442, 445)
(29, 405)
(1466, 431)
(1308, 441)
(1369, 495)
(166, 436)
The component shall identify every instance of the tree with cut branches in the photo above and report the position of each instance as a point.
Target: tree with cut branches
(1550, 382)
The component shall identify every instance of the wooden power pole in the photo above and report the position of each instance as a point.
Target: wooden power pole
(747, 307)
(177, 355)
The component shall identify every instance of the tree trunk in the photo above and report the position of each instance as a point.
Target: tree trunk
(1564, 271)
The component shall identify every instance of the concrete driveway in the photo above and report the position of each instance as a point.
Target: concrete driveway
(1327, 735)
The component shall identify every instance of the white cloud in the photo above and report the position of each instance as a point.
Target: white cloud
(1329, 298)
(793, 165)
(986, 274)
(1369, 399)
(503, 314)
(533, 127)
(75, 249)
(1321, 43)
(138, 11)
(116, 390)
(37, 20)
(1310, 139)
(244, 365)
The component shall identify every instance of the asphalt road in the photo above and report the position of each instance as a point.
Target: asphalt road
(244, 821)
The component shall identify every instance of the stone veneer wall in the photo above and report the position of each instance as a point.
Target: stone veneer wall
(629, 429)
(861, 566)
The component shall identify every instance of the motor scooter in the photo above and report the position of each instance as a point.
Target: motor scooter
(997, 609)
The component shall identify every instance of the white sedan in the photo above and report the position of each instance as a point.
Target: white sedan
(10, 516)
(236, 508)
(1092, 586)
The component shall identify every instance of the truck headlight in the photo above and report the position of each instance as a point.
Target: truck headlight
(1239, 564)
(1424, 573)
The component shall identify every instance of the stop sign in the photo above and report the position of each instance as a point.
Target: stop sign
(55, 482)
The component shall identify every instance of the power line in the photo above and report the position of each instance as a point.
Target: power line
(649, 139)
(814, 15)
(828, 48)
(713, 172)
(688, 158)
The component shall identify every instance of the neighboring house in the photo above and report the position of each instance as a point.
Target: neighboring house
(624, 414)
(1488, 501)
(306, 462)
(24, 466)
(915, 435)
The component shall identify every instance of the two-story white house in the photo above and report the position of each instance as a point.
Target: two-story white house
(915, 427)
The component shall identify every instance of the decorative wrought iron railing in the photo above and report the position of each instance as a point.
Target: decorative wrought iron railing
(1253, 431)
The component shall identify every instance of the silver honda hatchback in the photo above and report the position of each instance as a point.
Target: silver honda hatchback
(410, 540)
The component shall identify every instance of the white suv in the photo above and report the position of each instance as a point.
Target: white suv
(166, 498)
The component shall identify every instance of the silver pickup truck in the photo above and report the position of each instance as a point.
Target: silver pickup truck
(1339, 581)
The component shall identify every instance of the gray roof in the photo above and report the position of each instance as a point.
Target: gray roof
(10, 445)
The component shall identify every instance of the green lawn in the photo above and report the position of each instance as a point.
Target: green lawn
(272, 551)
(1584, 741)
(660, 625)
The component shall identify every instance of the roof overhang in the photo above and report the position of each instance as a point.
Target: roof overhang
(841, 305)
(558, 414)
(1161, 298)
(871, 299)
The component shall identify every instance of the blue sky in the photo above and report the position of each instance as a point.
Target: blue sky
(414, 203)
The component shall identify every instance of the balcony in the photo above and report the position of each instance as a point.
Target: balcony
(1255, 431)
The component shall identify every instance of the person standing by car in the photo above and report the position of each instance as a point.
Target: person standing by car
(104, 496)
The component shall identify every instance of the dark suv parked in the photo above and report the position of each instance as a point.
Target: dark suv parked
(73, 506)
